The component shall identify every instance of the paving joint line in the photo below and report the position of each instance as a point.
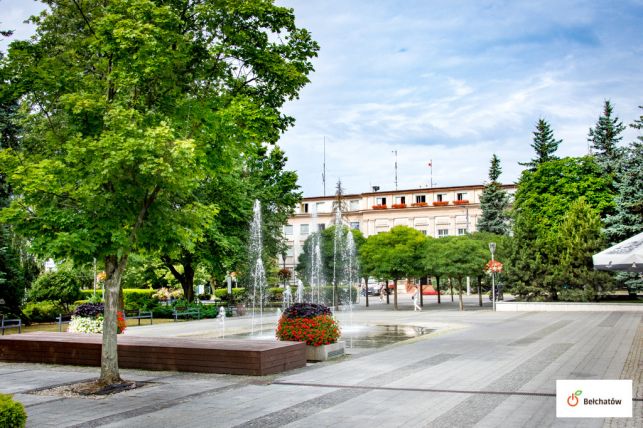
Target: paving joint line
(405, 389)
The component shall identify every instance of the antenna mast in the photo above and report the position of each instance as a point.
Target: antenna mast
(324, 166)
(395, 151)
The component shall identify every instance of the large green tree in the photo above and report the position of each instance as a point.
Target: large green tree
(395, 254)
(544, 144)
(128, 107)
(494, 203)
(578, 237)
(542, 199)
(604, 137)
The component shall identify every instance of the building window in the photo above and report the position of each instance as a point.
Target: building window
(461, 196)
(303, 229)
(289, 252)
(304, 208)
(423, 232)
(380, 201)
(354, 205)
(462, 232)
(443, 232)
(441, 197)
(321, 227)
(355, 225)
(288, 229)
(420, 198)
(319, 205)
(400, 199)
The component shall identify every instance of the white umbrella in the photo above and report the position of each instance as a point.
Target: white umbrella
(625, 256)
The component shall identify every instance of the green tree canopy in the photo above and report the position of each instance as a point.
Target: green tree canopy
(128, 106)
(545, 145)
(494, 203)
(395, 254)
(604, 137)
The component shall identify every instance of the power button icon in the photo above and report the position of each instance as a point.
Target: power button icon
(572, 400)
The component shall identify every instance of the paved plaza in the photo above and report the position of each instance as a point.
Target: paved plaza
(476, 368)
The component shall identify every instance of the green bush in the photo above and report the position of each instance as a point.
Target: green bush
(43, 311)
(162, 311)
(12, 413)
(62, 286)
(275, 294)
(238, 295)
(134, 298)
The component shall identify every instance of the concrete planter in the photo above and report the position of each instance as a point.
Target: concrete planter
(324, 352)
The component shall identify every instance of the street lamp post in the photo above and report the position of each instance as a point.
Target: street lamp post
(492, 248)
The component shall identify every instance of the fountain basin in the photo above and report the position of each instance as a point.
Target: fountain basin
(325, 352)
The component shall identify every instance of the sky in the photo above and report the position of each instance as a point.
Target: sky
(449, 82)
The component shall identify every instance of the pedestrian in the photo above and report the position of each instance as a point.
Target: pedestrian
(416, 299)
(382, 291)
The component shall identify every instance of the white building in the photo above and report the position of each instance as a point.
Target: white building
(437, 212)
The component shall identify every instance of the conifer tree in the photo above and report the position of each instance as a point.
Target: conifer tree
(604, 137)
(494, 203)
(545, 145)
(627, 220)
(574, 242)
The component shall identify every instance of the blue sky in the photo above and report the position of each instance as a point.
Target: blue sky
(451, 81)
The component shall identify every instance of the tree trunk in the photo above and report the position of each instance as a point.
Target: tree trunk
(366, 290)
(386, 289)
(451, 287)
(395, 294)
(186, 279)
(460, 302)
(422, 292)
(114, 268)
(437, 282)
(480, 291)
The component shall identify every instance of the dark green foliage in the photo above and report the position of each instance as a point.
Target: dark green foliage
(89, 310)
(306, 310)
(327, 246)
(543, 199)
(238, 295)
(63, 286)
(494, 203)
(573, 243)
(12, 413)
(604, 138)
(133, 298)
(43, 311)
(545, 145)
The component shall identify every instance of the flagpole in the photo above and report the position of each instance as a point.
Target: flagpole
(431, 178)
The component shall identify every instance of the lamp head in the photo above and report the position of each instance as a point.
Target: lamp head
(492, 247)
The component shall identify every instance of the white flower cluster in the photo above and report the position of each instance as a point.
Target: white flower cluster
(85, 325)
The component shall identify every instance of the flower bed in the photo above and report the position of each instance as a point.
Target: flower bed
(379, 207)
(399, 205)
(310, 323)
(461, 202)
(440, 203)
(88, 318)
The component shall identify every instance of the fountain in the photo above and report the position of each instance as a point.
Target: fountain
(221, 317)
(316, 271)
(257, 272)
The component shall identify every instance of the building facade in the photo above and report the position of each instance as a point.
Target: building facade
(436, 212)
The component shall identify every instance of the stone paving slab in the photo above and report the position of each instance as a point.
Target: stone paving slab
(477, 369)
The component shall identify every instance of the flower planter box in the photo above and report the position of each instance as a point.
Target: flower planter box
(461, 202)
(420, 204)
(379, 207)
(399, 206)
(324, 352)
(440, 203)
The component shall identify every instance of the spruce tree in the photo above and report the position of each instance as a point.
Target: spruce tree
(545, 145)
(627, 220)
(604, 137)
(574, 242)
(494, 203)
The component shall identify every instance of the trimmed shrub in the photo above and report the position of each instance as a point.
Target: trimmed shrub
(238, 295)
(12, 413)
(306, 310)
(162, 311)
(134, 298)
(62, 286)
(43, 311)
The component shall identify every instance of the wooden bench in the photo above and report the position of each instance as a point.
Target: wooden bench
(10, 323)
(140, 315)
(187, 312)
(226, 356)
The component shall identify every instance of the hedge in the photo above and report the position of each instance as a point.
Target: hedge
(134, 298)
